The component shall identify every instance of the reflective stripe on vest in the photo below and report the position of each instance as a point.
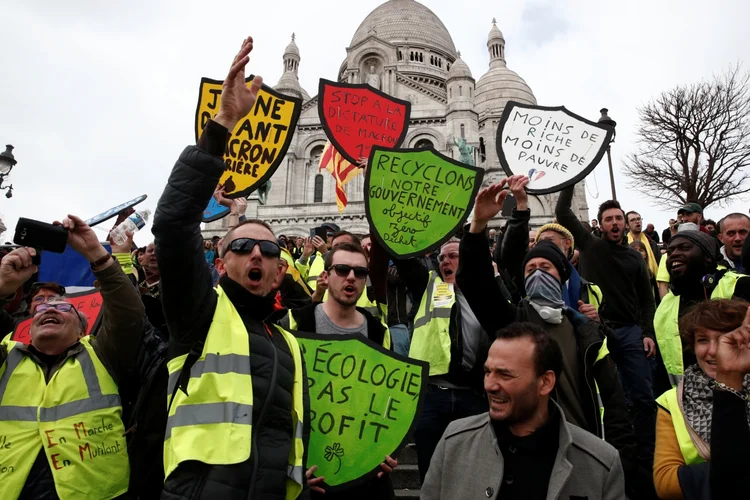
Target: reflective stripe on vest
(76, 418)
(668, 401)
(212, 423)
(431, 340)
(666, 327)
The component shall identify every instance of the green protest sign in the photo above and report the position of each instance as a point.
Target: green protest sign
(416, 199)
(364, 401)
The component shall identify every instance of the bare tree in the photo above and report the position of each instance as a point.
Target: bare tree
(694, 142)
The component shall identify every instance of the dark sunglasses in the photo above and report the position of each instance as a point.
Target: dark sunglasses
(60, 306)
(343, 270)
(243, 246)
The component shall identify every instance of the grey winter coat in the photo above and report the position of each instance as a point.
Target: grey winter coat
(467, 459)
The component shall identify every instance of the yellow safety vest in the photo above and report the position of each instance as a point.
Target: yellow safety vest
(292, 270)
(213, 424)
(594, 295)
(666, 325)
(310, 272)
(669, 402)
(431, 340)
(76, 418)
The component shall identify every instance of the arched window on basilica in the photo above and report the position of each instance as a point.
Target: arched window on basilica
(423, 144)
(318, 197)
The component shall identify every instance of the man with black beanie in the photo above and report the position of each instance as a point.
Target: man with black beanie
(692, 258)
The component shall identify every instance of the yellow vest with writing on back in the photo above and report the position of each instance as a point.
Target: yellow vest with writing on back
(666, 325)
(431, 340)
(76, 418)
(669, 402)
(213, 422)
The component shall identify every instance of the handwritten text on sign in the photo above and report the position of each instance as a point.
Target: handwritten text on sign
(416, 199)
(552, 146)
(363, 402)
(357, 117)
(258, 142)
(89, 303)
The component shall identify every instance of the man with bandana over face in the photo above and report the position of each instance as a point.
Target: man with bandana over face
(692, 258)
(585, 364)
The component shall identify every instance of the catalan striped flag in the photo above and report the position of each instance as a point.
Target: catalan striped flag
(341, 170)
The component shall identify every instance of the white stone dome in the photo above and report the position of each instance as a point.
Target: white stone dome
(459, 69)
(498, 86)
(405, 21)
(495, 33)
(289, 84)
(292, 48)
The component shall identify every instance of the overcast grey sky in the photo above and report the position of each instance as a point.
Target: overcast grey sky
(99, 97)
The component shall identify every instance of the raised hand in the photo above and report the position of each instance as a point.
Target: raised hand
(733, 355)
(314, 484)
(82, 238)
(237, 99)
(221, 198)
(488, 203)
(319, 244)
(125, 247)
(309, 248)
(239, 206)
(15, 269)
(517, 185)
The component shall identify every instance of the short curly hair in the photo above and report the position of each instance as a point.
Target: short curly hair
(723, 315)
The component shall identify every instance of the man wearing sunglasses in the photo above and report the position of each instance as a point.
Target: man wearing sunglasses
(61, 415)
(345, 277)
(238, 420)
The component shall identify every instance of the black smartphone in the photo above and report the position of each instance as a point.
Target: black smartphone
(41, 236)
(320, 232)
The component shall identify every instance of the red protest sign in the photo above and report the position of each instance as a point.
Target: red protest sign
(88, 302)
(357, 117)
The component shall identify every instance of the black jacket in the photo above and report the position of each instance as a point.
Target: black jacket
(475, 278)
(189, 302)
(730, 440)
(619, 271)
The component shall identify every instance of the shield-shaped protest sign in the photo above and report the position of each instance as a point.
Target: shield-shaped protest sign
(416, 199)
(554, 147)
(364, 402)
(259, 141)
(357, 117)
(88, 302)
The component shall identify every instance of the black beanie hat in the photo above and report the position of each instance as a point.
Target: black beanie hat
(704, 241)
(548, 250)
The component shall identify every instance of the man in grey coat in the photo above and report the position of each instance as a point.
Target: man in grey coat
(522, 448)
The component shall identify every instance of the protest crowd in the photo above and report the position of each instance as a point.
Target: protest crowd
(599, 360)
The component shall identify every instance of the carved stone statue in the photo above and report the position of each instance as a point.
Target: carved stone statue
(467, 151)
(373, 79)
(263, 192)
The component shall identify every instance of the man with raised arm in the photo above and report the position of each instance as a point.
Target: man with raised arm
(237, 420)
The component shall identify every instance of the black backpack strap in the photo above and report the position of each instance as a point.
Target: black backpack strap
(182, 382)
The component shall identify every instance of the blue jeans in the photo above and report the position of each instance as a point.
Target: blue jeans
(635, 374)
(441, 407)
(400, 339)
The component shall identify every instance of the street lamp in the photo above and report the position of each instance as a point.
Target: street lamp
(609, 122)
(7, 162)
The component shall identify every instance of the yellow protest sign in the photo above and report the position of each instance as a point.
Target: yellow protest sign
(258, 142)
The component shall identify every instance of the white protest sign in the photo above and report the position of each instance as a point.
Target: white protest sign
(552, 146)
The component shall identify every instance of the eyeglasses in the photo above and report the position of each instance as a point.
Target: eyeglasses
(443, 256)
(343, 270)
(60, 306)
(243, 246)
